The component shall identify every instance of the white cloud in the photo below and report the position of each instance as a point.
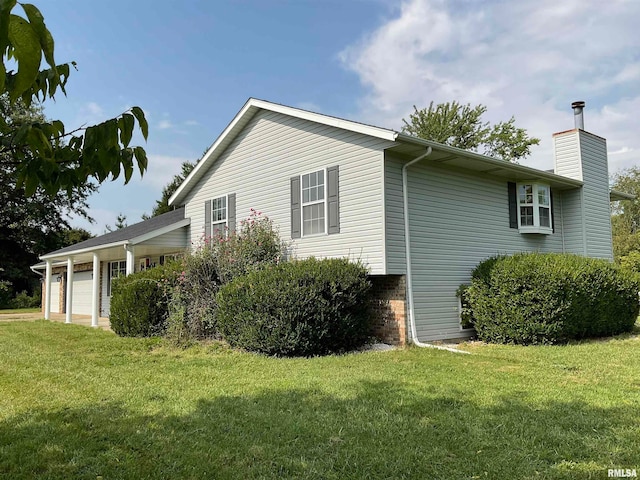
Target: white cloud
(529, 58)
(165, 124)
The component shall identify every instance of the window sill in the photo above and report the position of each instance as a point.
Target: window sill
(538, 230)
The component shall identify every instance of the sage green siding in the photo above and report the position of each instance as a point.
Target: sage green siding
(258, 165)
(456, 220)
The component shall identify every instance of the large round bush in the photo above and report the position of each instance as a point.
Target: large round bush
(534, 298)
(140, 302)
(306, 307)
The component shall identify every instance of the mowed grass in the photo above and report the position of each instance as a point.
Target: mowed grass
(19, 310)
(82, 403)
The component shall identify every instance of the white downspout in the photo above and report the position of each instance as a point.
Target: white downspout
(407, 246)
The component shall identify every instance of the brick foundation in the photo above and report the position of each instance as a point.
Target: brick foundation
(389, 293)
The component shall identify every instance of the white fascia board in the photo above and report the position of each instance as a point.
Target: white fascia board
(73, 253)
(531, 172)
(250, 107)
(370, 130)
(160, 231)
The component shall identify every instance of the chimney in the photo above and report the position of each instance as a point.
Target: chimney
(586, 215)
(578, 117)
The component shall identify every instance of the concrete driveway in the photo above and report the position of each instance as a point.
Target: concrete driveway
(84, 320)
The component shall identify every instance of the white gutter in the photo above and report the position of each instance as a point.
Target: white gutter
(84, 250)
(407, 246)
(36, 272)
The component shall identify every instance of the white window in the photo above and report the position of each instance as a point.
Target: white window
(313, 203)
(115, 270)
(534, 208)
(218, 216)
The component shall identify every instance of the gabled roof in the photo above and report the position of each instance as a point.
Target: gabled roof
(243, 117)
(452, 156)
(132, 234)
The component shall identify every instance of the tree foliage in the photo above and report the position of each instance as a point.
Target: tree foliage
(31, 225)
(462, 126)
(44, 153)
(625, 220)
(121, 222)
(162, 205)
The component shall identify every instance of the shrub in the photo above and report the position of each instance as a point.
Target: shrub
(6, 293)
(466, 312)
(216, 261)
(24, 300)
(140, 301)
(306, 307)
(535, 298)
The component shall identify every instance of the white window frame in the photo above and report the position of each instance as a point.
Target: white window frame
(122, 270)
(316, 202)
(536, 205)
(224, 222)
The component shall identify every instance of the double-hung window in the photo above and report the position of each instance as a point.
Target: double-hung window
(115, 270)
(218, 215)
(313, 203)
(534, 208)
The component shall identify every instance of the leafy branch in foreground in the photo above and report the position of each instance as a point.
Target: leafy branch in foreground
(44, 153)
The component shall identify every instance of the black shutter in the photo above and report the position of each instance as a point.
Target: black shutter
(231, 212)
(296, 222)
(333, 199)
(513, 205)
(207, 219)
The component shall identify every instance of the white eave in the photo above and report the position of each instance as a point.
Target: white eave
(247, 112)
(482, 164)
(616, 195)
(83, 250)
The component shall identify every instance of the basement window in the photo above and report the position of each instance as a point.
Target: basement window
(534, 208)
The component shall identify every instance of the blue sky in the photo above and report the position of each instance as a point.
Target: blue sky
(191, 65)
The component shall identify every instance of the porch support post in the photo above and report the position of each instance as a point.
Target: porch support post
(95, 294)
(47, 290)
(130, 259)
(69, 289)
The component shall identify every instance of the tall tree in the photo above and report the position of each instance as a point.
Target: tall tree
(30, 225)
(44, 153)
(162, 205)
(121, 222)
(625, 219)
(462, 126)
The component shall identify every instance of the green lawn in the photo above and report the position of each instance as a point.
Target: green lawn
(82, 403)
(20, 310)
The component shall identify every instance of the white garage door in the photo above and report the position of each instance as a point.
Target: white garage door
(55, 296)
(82, 286)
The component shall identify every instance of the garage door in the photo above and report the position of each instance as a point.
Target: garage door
(55, 296)
(82, 286)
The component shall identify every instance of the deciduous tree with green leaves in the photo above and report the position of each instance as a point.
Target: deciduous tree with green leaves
(32, 225)
(462, 126)
(625, 219)
(45, 154)
(162, 205)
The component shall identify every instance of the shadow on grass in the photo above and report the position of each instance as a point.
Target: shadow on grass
(384, 431)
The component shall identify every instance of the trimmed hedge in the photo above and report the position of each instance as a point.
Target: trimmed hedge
(536, 298)
(299, 308)
(140, 302)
